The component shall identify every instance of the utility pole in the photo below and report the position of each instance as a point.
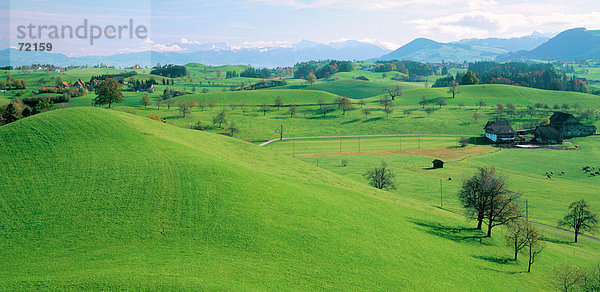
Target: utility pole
(281, 133)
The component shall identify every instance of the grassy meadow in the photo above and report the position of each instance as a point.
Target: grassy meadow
(107, 199)
(123, 202)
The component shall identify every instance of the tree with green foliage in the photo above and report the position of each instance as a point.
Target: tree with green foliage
(381, 177)
(108, 92)
(311, 78)
(580, 218)
(220, 118)
(444, 70)
(10, 114)
(145, 100)
(469, 78)
(44, 105)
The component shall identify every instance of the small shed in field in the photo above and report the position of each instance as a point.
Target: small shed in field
(438, 164)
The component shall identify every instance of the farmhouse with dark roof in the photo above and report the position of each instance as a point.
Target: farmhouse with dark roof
(569, 126)
(499, 131)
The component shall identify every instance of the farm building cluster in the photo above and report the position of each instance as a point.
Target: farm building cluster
(561, 126)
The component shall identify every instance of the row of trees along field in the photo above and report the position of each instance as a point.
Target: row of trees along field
(172, 71)
(411, 68)
(321, 69)
(537, 75)
(12, 84)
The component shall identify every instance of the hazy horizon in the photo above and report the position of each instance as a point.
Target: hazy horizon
(270, 23)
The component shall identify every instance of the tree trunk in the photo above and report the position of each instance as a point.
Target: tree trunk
(529, 266)
(516, 251)
(576, 233)
(489, 232)
(479, 222)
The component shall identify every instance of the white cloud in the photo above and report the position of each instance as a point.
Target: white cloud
(480, 24)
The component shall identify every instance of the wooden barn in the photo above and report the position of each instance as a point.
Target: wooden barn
(547, 134)
(438, 164)
(569, 126)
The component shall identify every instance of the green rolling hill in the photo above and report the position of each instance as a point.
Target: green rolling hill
(97, 199)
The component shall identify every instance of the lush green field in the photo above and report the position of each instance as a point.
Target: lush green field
(525, 168)
(258, 97)
(102, 200)
(451, 119)
(360, 144)
(355, 89)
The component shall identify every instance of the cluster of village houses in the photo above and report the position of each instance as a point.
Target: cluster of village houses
(561, 126)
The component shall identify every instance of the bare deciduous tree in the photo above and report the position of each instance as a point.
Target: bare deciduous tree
(579, 218)
(381, 177)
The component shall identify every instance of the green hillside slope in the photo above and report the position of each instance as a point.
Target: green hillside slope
(98, 199)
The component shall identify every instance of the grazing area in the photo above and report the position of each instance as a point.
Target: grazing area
(120, 201)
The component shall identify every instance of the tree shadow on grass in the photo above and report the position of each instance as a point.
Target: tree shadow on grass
(557, 241)
(457, 234)
(173, 118)
(350, 121)
(497, 260)
(373, 119)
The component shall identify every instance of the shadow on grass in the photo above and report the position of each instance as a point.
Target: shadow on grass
(373, 119)
(557, 241)
(497, 260)
(457, 234)
(350, 121)
(480, 141)
(173, 118)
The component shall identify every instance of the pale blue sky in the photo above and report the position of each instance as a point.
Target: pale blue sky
(251, 23)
